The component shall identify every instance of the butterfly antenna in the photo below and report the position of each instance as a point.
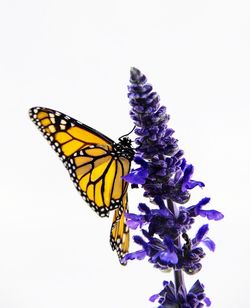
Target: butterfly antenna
(128, 133)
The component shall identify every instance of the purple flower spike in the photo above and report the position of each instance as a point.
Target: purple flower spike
(166, 173)
(166, 179)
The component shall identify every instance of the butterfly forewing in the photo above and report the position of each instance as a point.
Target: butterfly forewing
(65, 134)
(98, 178)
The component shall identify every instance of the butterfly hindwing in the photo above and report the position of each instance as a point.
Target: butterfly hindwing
(119, 234)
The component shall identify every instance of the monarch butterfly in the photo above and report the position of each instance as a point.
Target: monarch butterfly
(96, 165)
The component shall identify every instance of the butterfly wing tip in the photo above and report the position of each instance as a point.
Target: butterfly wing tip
(32, 111)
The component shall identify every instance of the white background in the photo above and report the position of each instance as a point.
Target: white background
(75, 56)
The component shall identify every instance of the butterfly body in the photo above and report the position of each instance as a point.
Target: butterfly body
(96, 165)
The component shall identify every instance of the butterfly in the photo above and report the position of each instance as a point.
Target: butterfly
(96, 165)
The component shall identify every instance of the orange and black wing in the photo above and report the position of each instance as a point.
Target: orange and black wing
(89, 156)
(97, 174)
(65, 134)
(119, 235)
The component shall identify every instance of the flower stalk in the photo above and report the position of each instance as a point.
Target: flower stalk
(166, 178)
(178, 275)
